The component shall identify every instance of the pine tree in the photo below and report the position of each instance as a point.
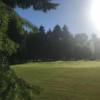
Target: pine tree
(12, 87)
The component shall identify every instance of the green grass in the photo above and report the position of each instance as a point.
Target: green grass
(63, 80)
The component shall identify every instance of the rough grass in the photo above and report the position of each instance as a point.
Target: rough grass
(63, 80)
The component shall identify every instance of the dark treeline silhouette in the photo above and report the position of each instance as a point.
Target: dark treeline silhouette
(56, 44)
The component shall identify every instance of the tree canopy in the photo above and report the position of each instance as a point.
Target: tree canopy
(43, 5)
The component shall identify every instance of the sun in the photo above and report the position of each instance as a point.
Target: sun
(95, 13)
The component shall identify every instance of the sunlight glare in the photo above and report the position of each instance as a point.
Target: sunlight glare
(95, 14)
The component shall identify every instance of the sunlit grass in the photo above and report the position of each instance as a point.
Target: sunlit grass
(63, 80)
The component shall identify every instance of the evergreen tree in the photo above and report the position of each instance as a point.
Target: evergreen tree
(11, 87)
(43, 5)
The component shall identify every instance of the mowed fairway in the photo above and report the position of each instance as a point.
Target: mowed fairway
(63, 80)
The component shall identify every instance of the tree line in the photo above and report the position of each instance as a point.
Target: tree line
(56, 44)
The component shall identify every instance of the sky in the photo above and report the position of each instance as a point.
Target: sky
(73, 13)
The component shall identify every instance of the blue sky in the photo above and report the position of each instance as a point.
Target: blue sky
(73, 13)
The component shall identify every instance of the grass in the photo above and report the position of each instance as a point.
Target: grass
(63, 80)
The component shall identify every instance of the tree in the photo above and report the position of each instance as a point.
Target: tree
(68, 42)
(82, 46)
(94, 46)
(43, 5)
(12, 87)
(55, 45)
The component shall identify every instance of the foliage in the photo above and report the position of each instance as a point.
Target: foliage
(56, 44)
(12, 29)
(43, 5)
(12, 87)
